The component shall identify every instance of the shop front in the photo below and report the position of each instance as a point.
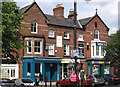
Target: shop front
(48, 66)
(98, 67)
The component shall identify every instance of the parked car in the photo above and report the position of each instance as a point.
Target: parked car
(97, 79)
(6, 82)
(24, 82)
(65, 83)
(87, 82)
(110, 79)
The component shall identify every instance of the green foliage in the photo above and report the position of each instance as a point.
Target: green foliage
(11, 37)
(113, 49)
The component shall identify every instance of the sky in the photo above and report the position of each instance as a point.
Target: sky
(107, 9)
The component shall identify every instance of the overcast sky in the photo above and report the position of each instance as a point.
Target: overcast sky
(107, 9)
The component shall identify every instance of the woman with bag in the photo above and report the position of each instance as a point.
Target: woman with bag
(41, 79)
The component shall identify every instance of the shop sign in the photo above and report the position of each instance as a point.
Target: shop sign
(74, 53)
(97, 62)
(101, 44)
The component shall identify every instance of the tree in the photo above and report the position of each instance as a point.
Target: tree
(113, 49)
(11, 23)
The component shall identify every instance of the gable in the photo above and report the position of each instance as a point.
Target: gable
(92, 18)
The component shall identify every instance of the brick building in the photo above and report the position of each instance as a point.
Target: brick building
(50, 39)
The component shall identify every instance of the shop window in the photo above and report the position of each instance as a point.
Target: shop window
(51, 49)
(66, 49)
(12, 73)
(33, 27)
(29, 46)
(51, 33)
(81, 49)
(37, 46)
(37, 67)
(66, 35)
(28, 69)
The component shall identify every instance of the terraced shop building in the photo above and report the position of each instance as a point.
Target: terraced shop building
(50, 39)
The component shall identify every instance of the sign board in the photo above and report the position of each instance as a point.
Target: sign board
(101, 44)
(59, 41)
(74, 53)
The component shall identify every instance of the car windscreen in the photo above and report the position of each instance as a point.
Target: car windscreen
(27, 81)
(6, 81)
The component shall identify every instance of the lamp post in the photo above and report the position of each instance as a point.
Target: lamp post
(50, 74)
(75, 27)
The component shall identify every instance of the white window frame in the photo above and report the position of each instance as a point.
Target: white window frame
(34, 27)
(66, 48)
(67, 34)
(97, 34)
(37, 47)
(81, 50)
(100, 50)
(51, 33)
(29, 46)
(80, 37)
(51, 47)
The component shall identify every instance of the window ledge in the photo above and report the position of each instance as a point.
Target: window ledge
(51, 37)
(80, 40)
(29, 52)
(66, 55)
(36, 53)
(34, 32)
(66, 38)
(51, 55)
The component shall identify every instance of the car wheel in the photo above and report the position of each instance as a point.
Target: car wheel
(106, 83)
(93, 84)
(59, 85)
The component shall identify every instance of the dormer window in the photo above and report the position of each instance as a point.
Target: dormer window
(33, 27)
(66, 35)
(51, 33)
(96, 34)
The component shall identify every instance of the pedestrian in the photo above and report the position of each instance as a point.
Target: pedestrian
(73, 78)
(82, 77)
(41, 79)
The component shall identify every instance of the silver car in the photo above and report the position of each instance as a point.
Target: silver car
(24, 82)
(97, 79)
(6, 82)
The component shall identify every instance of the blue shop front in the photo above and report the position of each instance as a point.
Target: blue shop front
(49, 67)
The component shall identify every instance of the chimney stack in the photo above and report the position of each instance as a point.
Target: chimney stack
(59, 11)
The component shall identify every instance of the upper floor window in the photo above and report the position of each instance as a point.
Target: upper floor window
(95, 24)
(96, 34)
(29, 46)
(51, 33)
(80, 37)
(81, 49)
(97, 50)
(66, 49)
(66, 35)
(37, 46)
(51, 49)
(33, 27)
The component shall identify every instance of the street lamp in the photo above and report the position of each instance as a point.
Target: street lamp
(75, 27)
(50, 73)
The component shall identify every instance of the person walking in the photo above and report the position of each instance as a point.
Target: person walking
(82, 77)
(41, 79)
(73, 78)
